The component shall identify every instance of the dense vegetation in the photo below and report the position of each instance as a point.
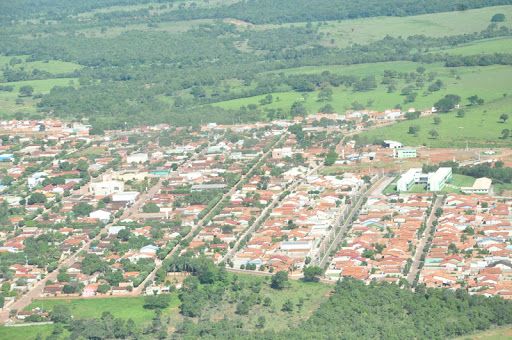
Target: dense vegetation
(135, 70)
(379, 311)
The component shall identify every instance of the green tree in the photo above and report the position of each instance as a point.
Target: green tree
(150, 208)
(26, 91)
(82, 209)
(330, 157)
(60, 314)
(298, 109)
(160, 301)
(36, 198)
(279, 280)
(312, 273)
(433, 134)
(437, 120)
(505, 133)
(498, 17)
(503, 117)
(447, 103)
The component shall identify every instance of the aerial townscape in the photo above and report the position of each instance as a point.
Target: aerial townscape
(225, 169)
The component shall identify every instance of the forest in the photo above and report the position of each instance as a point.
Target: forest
(131, 62)
(229, 306)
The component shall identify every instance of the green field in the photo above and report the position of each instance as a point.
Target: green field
(479, 127)
(365, 30)
(25, 333)
(121, 307)
(488, 82)
(498, 45)
(9, 100)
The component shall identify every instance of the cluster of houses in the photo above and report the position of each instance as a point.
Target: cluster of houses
(471, 247)
(383, 240)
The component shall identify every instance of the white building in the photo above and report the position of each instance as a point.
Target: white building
(393, 144)
(137, 158)
(128, 197)
(438, 179)
(480, 186)
(406, 181)
(282, 153)
(106, 188)
(102, 215)
(35, 179)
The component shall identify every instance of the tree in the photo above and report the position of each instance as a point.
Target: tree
(279, 280)
(287, 306)
(498, 17)
(330, 157)
(150, 208)
(82, 209)
(60, 314)
(505, 133)
(461, 113)
(36, 198)
(475, 100)
(325, 94)
(311, 273)
(298, 109)
(413, 130)
(437, 120)
(261, 322)
(503, 117)
(433, 133)
(26, 91)
(447, 103)
(157, 301)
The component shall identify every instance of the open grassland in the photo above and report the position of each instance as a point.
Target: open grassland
(51, 66)
(347, 32)
(489, 83)
(479, 127)
(488, 46)
(120, 307)
(26, 332)
(11, 103)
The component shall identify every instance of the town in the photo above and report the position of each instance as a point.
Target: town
(86, 215)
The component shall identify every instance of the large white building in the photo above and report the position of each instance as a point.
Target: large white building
(435, 181)
(106, 188)
(438, 179)
(137, 158)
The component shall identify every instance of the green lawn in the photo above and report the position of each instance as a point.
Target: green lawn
(125, 308)
(25, 333)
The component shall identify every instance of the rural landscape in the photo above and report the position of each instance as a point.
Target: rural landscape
(255, 169)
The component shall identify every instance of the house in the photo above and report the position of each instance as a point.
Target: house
(106, 188)
(137, 158)
(102, 215)
(480, 186)
(128, 197)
